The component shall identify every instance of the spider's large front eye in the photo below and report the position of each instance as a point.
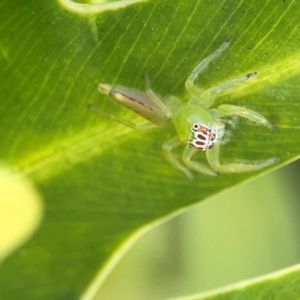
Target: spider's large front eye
(196, 127)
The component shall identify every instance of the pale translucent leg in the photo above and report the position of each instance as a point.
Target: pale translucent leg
(238, 167)
(127, 123)
(214, 91)
(194, 91)
(204, 63)
(167, 149)
(156, 99)
(229, 110)
(186, 157)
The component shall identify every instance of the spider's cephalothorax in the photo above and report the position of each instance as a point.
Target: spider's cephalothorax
(202, 137)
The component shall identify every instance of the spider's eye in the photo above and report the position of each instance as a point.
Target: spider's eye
(213, 137)
(195, 127)
(211, 145)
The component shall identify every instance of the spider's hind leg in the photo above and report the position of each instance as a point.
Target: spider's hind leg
(196, 94)
(213, 92)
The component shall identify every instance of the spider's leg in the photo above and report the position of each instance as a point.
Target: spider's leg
(214, 91)
(236, 167)
(229, 110)
(187, 156)
(167, 148)
(203, 64)
(194, 91)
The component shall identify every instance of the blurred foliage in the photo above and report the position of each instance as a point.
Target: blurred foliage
(20, 211)
(102, 182)
(242, 233)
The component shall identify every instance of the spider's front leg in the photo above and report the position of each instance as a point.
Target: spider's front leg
(225, 110)
(236, 167)
(243, 166)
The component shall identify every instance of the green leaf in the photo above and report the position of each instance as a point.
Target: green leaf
(103, 184)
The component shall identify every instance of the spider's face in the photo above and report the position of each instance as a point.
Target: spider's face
(202, 137)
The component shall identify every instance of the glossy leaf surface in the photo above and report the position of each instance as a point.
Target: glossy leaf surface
(102, 182)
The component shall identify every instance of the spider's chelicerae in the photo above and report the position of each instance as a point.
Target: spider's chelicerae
(197, 126)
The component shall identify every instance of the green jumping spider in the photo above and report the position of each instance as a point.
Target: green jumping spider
(197, 126)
